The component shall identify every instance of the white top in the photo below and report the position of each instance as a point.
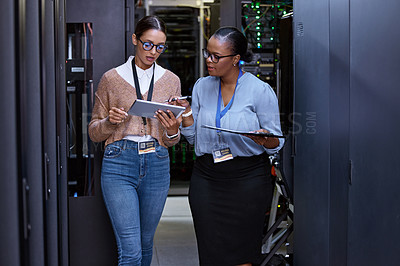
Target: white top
(144, 76)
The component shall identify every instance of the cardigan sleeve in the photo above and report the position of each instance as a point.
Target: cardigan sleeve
(99, 127)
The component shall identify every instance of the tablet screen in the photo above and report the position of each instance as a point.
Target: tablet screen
(147, 109)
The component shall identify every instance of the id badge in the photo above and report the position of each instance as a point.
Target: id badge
(222, 154)
(146, 147)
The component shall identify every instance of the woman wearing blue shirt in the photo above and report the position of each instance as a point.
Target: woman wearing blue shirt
(231, 185)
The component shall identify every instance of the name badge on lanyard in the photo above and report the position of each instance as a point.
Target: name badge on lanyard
(145, 147)
(222, 155)
(221, 151)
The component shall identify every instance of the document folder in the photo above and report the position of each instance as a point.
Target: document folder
(243, 132)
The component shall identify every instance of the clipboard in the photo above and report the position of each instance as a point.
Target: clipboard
(147, 108)
(264, 134)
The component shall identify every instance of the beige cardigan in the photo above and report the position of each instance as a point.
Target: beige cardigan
(114, 91)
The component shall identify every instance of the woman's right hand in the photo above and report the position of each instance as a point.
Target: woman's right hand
(187, 118)
(183, 103)
(117, 115)
(178, 102)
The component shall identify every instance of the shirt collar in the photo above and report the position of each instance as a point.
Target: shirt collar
(141, 72)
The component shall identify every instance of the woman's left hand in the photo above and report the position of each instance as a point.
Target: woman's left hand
(267, 142)
(260, 140)
(169, 121)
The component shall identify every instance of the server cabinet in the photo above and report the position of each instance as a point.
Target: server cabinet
(231, 13)
(47, 70)
(311, 119)
(374, 207)
(29, 165)
(10, 234)
(285, 97)
(36, 124)
(345, 96)
(60, 99)
(29, 124)
(339, 107)
(97, 39)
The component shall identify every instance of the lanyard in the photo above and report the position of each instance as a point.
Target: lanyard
(226, 109)
(138, 93)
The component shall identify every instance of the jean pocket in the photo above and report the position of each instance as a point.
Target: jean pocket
(112, 151)
(162, 152)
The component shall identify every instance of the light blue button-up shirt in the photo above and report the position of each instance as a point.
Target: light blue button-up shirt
(254, 106)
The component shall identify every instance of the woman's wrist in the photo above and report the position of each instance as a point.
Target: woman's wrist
(187, 113)
(172, 136)
(271, 143)
(187, 117)
(108, 120)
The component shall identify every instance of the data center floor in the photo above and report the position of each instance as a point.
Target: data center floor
(175, 241)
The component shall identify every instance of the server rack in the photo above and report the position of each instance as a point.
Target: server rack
(79, 75)
(260, 24)
(182, 58)
(98, 38)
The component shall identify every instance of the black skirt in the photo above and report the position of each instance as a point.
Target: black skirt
(229, 201)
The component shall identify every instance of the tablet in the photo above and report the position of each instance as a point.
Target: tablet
(148, 109)
(265, 134)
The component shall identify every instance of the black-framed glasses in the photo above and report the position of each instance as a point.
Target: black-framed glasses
(214, 58)
(160, 48)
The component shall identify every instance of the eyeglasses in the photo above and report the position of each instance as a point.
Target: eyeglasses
(214, 58)
(148, 46)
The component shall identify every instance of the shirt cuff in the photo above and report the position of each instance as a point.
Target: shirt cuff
(187, 130)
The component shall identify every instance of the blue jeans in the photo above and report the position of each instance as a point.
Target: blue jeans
(135, 188)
